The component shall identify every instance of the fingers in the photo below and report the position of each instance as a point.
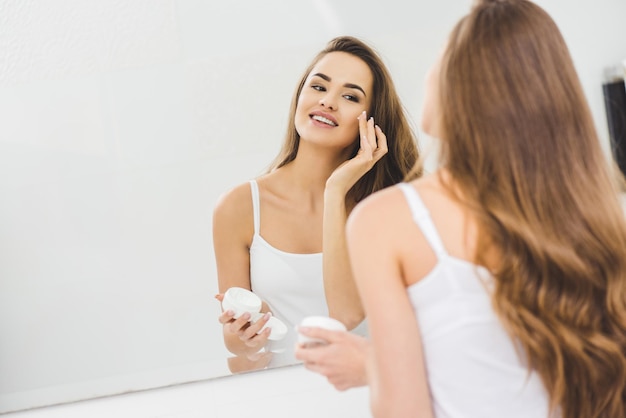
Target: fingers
(249, 332)
(255, 327)
(326, 361)
(366, 135)
(257, 340)
(371, 134)
(238, 325)
(226, 317)
(382, 144)
(312, 355)
(373, 140)
(317, 354)
(303, 354)
(313, 358)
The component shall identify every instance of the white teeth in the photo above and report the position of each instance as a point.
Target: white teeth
(324, 120)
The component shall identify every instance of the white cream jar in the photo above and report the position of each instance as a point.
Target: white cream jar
(319, 322)
(240, 301)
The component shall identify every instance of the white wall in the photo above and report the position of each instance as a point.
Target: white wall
(121, 122)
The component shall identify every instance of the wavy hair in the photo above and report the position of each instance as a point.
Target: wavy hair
(518, 139)
(387, 110)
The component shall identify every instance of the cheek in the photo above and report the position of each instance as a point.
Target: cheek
(431, 109)
(301, 114)
(429, 112)
(308, 97)
(425, 117)
(429, 123)
(352, 128)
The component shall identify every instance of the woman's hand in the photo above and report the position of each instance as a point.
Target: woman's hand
(249, 333)
(342, 361)
(373, 146)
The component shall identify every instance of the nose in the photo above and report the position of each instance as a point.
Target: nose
(328, 102)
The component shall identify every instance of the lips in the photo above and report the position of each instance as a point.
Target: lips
(324, 118)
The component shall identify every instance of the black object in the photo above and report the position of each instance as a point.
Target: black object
(615, 103)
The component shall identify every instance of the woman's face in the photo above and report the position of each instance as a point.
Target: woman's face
(337, 90)
(430, 109)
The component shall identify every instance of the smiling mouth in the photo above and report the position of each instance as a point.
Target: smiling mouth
(323, 120)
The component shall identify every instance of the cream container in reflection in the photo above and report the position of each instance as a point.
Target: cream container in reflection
(319, 322)
(278, 327)
(240, 301)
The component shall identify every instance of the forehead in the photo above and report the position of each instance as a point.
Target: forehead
(345, 68)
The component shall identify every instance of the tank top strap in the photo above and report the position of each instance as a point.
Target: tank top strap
(422, 218)
(256, 211)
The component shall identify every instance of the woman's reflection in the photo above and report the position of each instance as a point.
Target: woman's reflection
(281, 235)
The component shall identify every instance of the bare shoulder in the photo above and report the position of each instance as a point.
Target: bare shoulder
(385, 219)
(382, 203)
(237, 200)
(456, 225)
(390, 202)
(381, 214)
(233, 211)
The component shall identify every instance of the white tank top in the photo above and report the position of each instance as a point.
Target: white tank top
(292, 284)
(474, 368)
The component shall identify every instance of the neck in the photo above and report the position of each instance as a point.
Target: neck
(314, 165)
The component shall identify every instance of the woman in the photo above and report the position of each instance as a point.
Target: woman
(268, 234)
(496, 286)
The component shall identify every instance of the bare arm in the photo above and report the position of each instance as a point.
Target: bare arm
(397, 375)
(340, 289)
(232, 234)
(341, 293)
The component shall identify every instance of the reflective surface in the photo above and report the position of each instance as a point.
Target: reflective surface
(122, 123)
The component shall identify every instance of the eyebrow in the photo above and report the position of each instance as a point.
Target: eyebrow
(349, 85)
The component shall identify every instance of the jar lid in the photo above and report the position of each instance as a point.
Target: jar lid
(241, 300)
(324, 322)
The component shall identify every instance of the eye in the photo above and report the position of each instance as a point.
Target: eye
(318, 87)
(352, 98)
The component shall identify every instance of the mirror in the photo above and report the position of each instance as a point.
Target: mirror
(122, 123)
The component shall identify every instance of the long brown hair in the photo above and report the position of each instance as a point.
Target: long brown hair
(519, 141)
(388, 112)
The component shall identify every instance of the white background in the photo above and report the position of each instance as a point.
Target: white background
(122, 121)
